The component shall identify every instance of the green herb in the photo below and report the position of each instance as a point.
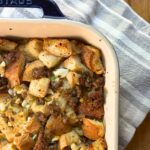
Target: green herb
(48, 98)
(2, 52)
(2, 139)
(53, 78)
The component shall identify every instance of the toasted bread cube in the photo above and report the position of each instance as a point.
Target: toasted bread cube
(6, 146)
(56, 126)
(7, 131)
(58, 47)
(68, 139)
(7, 45)
(99, 144)
(39, 87)
(92, 59)
(93, 129)
(73, 78)
(2, 68)
(22, 48)
(33, 48)
(14, 70)
(74, 146)
(2, 71)
(60, 72)
(24, 142)
(48, 59)
(27, 75)
(76, 47)
(73, 63)
(33, 125)
(83, 147)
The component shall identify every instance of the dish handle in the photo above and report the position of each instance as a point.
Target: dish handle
(50, 8)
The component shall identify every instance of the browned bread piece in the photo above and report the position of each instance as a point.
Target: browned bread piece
(14, 70)
(27, 75)
(6, 45)
(92, 58)
(24, 142)
(58, 47)
(93, 129)
(99, 144)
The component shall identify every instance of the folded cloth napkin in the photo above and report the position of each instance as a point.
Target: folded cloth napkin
(129, 34)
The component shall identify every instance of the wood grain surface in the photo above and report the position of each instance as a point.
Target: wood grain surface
(142, 7)
(141, 140)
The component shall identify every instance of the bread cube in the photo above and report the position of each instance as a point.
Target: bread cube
(99, 144)
(58, 47)
(73, 63)
(48, 59)
(27, 75)
(93, 129)
(92, 59)
(33, 48)
(68, 139)
(39, 87)
(6, 45)
(73, 78)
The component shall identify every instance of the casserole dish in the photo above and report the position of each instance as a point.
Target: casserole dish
(46, 27)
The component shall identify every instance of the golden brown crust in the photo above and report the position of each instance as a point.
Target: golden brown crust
(33, 125)
(58, 47)
(68, 139)
(57, 125)
(90, 109)
(93, 129)
(49, 60)
(6, 45)
(99, 144)
(93, 107)
(14, 70)
(27, 75)
(24, 142)
(32, 48)
(91, 57)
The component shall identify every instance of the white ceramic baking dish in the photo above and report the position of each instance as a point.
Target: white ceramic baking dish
(69, 29)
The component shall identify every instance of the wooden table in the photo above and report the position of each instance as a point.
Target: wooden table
(141, 140)
(142, 7)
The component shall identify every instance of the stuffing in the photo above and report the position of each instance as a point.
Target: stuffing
(58, 47)
(48, 59)
(73, 63)
(24, 142)
(27, 75)
(33, 125)
(32, 48)
(93, 129)
(68, 139)
(39, 87)
(99, 144)
(57, 125)
(7, 45)
(92, 58)
(51, 95)
(14, 70)
(73, 78)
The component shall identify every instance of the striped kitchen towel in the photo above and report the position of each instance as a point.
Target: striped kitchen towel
(130, 36)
